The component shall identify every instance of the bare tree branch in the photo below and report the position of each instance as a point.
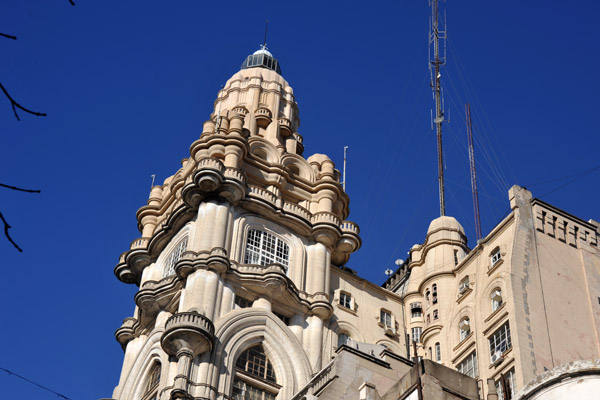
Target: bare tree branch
(16, 105)
(19, 189)
(8, 36)
(6, 228)
(72, 3)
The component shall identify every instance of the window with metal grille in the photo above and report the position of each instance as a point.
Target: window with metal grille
(500, 341)
(151, 390)
(506, 385)
(243, 390)
(263, 248)
(468, 366)
(175, 256)
(345, 300)
(254, 362)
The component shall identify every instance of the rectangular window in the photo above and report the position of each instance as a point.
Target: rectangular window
(435, 315)
(416, 334)
(264, 249)
(416, 310)
(345, 300)
(506, 385)
(464, 285)
(385, 318)
(494, 258)
(500, 342)
(438, 352)
(468, 366)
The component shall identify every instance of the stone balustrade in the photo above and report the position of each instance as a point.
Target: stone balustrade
(296, 210)
(325, 217)
(190, 331)
(139, 243)
(350, 227)
(262, 194)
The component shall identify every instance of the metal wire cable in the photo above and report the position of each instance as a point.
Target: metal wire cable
(35, 383)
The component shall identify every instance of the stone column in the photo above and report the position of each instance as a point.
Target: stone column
(315, 343)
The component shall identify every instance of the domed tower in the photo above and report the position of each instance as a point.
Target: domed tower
(430, 292)
(233, 263)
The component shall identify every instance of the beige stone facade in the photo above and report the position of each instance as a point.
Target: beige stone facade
(243, 289)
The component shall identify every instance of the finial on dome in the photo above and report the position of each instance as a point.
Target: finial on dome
(262, 58)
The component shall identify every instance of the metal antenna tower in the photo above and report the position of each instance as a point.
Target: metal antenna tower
(473, 173)
(434, 67)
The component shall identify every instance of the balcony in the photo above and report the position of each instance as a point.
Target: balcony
(188, 331)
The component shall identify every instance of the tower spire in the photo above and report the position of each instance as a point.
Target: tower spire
(434, 67)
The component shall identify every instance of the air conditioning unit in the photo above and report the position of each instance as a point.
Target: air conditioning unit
(497, 358)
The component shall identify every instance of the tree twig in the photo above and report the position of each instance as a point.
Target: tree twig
(72, 2)
(19, 189)
(6, 228)
(8, 36)
(16, 105)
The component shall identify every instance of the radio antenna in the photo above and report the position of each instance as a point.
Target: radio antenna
(434, 68)
(344, 170)
(473, 173)
(264, 45)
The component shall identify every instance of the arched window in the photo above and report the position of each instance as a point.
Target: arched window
(174, 256)
(254, 376)
(434, 293)
(496, 297)
(438, 352)
(263, 248)
(464, 328)
(428, 296)
(343, 338)
(151, 389)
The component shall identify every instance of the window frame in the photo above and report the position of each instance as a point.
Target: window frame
(497, 338)
(346, 300)
(245, 377)
(512, 384)
(463, 365)
(152, 382)
(496, 293)
(175, 254)
(495, 257)
(419, 331)
(257, 252)
(464, 333)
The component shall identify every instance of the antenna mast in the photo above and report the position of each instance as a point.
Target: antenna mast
(264, 45)
(434, 67)
(473, 173)
(344, 171)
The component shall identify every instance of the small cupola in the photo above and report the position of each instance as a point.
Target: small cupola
(262, 58)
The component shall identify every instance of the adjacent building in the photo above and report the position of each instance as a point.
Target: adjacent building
(244, 293)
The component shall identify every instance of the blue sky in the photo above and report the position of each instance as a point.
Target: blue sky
(127, 86)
